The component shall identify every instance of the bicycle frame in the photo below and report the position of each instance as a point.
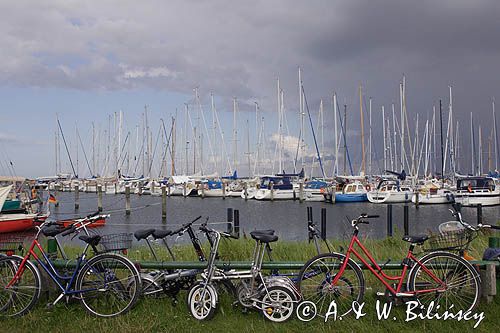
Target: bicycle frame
(377, 271)
(49, 268)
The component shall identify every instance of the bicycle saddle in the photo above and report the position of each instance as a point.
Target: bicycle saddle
(416, 239)
(143, 233)
(159, 234)
(51, 230)
(91, 240)
(262, 232)
(264, 238)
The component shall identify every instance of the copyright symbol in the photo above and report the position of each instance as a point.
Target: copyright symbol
(306, 311)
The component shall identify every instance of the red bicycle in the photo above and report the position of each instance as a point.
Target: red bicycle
(440, 277)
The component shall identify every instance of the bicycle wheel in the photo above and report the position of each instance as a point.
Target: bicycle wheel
(278, 304)
(461, 284)
(315, 283)
(21, 297)
(202, 302)
(109, 285)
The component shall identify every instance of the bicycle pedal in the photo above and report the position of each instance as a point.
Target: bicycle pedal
(49, 306)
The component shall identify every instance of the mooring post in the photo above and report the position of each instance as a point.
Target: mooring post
(116, 188)
(245, 190)
(301, 191)
(489, 282)
(237, 223)
(272, 190)
(152, 186)
(139, 188)
(405, 218)
(417, 198)
(77, 197)
(479, 214)
(99, 197)
(323, 224)
(164, 203)
(389, 221)
(223, 190)
(169, 189)
(202, 190)
(127, 199)
(229, 220)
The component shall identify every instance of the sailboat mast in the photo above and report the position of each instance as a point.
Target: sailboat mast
(495, 136)
(402, 125)
(363, 166)
(302, 123)
(336, 166)
(384, 138)
(395, 135)
(235, 135)
(345, 142)
(442, 143)
(473, 166)
(370, 138)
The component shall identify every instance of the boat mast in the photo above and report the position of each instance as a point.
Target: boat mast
(402, 125)
(336, 166)
(384, 138)
(248, 150)
(345, 141)
(302, 123)
(395, 136)
(186, 156)
(235, 134)
(495, 136)
(442, 143)
(480, 162)
(172, 156)
(363, 166)
(370, 138)
(472, 144)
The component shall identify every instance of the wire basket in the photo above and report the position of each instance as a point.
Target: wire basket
(11, 243)
(115, 242)
(453, 240)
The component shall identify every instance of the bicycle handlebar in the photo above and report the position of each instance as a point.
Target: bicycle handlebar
(185, 226)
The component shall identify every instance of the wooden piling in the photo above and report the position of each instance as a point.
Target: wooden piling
(99, 197)
(164, 203)
(127, 199)
(223, 190)
(489, 282)
(202, 190)
(301, 191)
(77, 197)
(272, 190)
(245, 190)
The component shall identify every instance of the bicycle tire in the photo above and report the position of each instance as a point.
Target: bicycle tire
(207, 309)
(282, 305)
(463, 282)
(315, 278)
(108, 281)
(20, 298)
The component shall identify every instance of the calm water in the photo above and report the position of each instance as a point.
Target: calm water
(288, 218)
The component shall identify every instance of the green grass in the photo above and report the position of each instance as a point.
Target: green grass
(160, 315)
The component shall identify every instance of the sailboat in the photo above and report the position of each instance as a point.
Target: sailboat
(391, 190)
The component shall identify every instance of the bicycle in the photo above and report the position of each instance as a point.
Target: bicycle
(274, 296)
(107, 284)
(170, 282)
(440, 277)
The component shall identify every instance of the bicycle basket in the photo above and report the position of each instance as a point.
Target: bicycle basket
(11, 243)
(453, 240)
(115, 242)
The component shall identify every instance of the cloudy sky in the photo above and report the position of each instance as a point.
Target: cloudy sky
(85, 60)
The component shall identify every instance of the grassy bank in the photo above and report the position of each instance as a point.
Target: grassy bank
(160, 315)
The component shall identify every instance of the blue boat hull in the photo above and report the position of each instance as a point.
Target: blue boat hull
(358, 197)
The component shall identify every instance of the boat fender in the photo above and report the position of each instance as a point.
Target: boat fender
(368, 187)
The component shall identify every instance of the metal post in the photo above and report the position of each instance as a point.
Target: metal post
(116, 188)
(127, 199)
(272, 191)
(99, 197)
(405, 218)
(479, 214)
(237, 223)
(105, 186)
(389, 221)
(301, 191)
(164, 203)
(77, 197)
(229, 220)
(323, 224)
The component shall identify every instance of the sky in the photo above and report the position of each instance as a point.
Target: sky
(87, 60)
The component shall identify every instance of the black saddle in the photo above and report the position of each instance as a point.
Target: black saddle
(264, 237)
(262, 232)
(143, 233)
(91, 240)
(51, 230)
(416, 239)
(159, 234)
